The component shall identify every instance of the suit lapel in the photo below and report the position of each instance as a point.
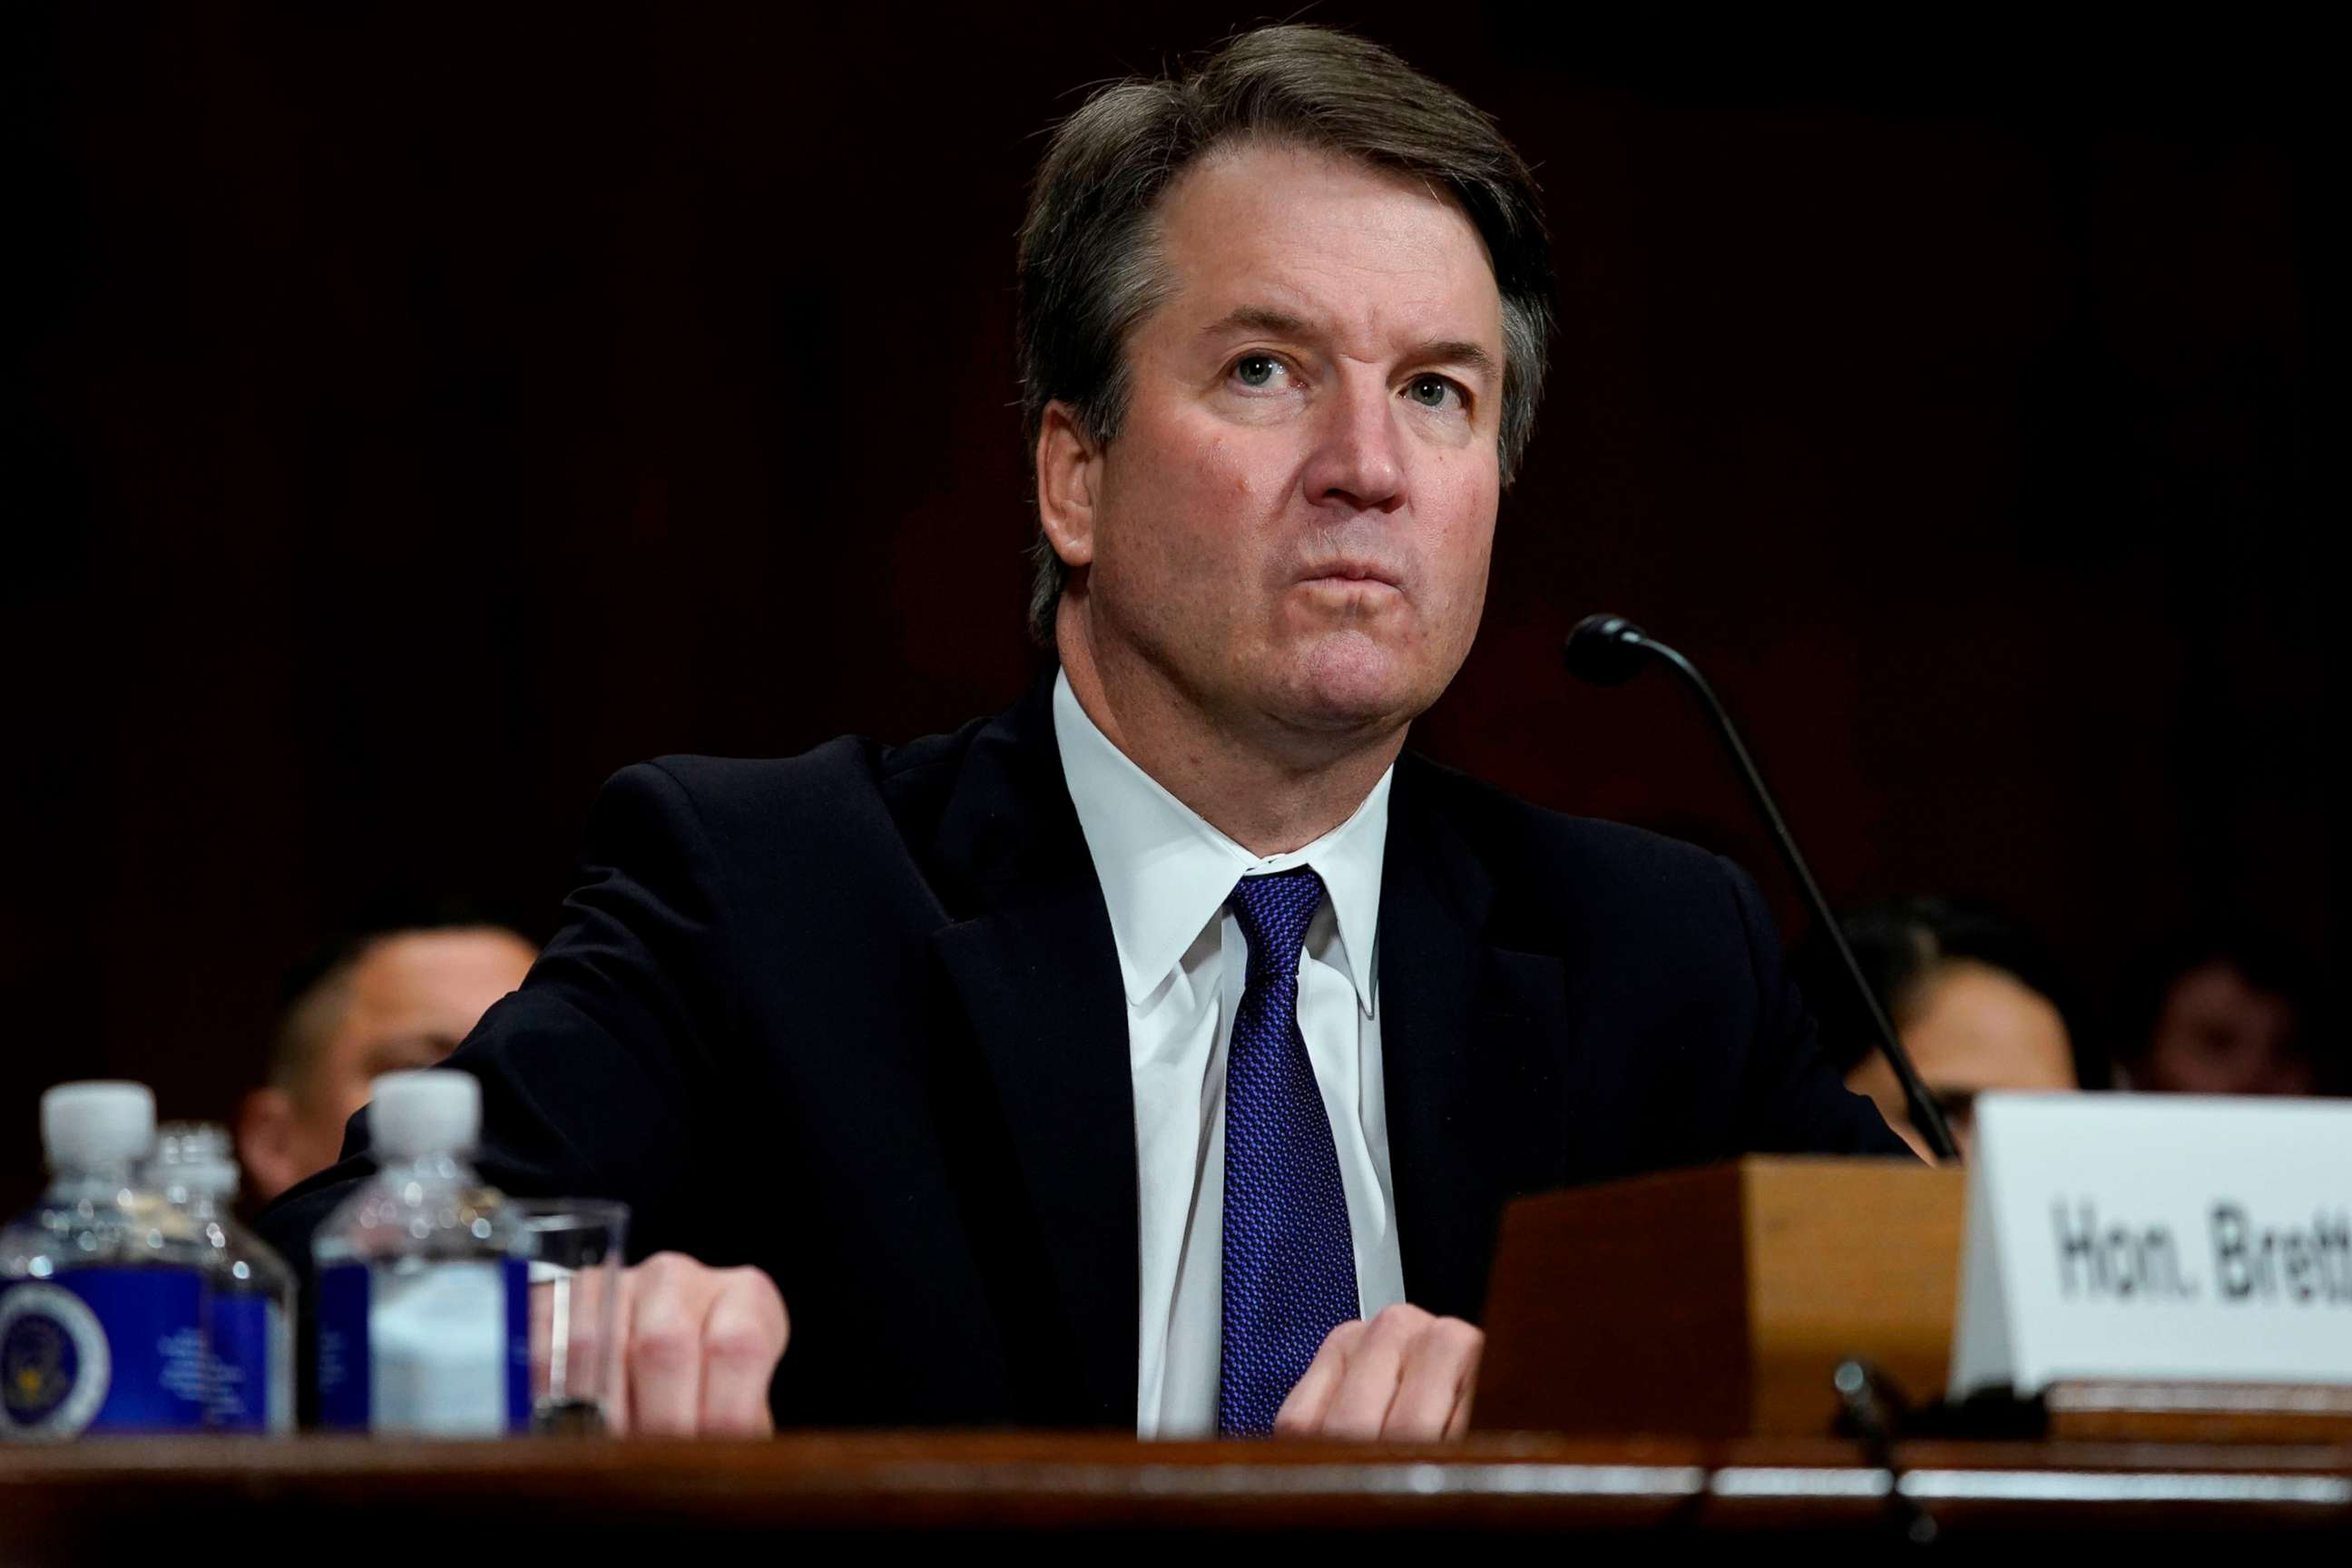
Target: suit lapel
(1473, 1038)
(1037, 972)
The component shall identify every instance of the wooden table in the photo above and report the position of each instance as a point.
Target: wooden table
(338, 1499)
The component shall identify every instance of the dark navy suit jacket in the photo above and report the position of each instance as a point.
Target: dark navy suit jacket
(854, 1017)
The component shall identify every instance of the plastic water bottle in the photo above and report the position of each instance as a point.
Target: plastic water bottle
(250, 1296)
(423, 1299)
(101, 1284)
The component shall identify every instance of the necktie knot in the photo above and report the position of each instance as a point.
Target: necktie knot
(1273, 912)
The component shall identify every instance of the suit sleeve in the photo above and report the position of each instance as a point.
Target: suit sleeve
(599, 1075)
(1791, 1102)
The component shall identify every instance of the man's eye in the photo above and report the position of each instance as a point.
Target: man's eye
(1430, 391)
(1256, 370)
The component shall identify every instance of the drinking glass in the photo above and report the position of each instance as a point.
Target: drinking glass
(575, 1248)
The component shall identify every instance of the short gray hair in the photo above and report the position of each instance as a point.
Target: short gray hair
(1088, 276)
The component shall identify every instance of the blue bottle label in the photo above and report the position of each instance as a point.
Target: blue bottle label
(344, 1380)
(251, 1386)
(443, 1350)
(516, 1275)
(102, 1349)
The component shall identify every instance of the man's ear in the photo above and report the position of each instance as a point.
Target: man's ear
(268, 1141)
(1069, 475)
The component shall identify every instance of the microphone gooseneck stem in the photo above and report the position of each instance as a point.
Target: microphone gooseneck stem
(1925, 1115)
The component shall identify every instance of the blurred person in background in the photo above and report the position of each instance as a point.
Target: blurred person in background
(2228, 1013)
(398, 993)
(1975, 1002)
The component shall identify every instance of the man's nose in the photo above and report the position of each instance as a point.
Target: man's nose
(1358, 463)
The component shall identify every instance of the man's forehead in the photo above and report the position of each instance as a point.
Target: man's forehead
(1283, 238)
(409, 971)
(1276, 173)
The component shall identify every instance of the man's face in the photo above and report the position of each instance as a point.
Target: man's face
(1974, 1029)
(414, 997)
(2218, 1035)
(410, 999)
(1293, 523)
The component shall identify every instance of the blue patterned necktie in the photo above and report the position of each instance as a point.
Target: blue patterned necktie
(1289, 1261)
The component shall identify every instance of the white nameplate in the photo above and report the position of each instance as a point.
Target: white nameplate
(2158, 1237)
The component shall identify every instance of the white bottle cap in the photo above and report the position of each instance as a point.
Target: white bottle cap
(413, 1114)
(194, 1158)
(84, 1125)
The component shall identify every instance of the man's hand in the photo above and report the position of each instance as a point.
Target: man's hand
(698, 1346)
(1404, 1375)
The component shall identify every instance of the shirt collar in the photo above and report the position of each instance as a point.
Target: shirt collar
(1165, 871)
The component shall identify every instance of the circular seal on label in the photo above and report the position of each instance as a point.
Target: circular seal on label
(53, 1363)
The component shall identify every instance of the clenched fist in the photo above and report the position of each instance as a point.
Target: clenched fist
(698, 1346)
(1405, 1375)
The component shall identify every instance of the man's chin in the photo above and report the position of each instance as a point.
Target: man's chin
(1349, 683)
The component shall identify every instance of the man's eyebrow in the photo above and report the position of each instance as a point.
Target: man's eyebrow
(1256, 319)
(1457, 351)
(1281, 323)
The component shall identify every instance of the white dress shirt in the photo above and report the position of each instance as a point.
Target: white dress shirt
(1165, 875)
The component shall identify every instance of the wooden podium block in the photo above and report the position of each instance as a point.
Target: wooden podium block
(1718, 1301)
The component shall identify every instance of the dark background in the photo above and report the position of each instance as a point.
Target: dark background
(415, 415)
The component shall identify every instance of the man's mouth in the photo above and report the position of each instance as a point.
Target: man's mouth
(1351, 572)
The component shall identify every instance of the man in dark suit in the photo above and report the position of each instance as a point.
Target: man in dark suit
(852, 1024)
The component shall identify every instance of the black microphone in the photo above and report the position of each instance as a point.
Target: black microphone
(1609, 650)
